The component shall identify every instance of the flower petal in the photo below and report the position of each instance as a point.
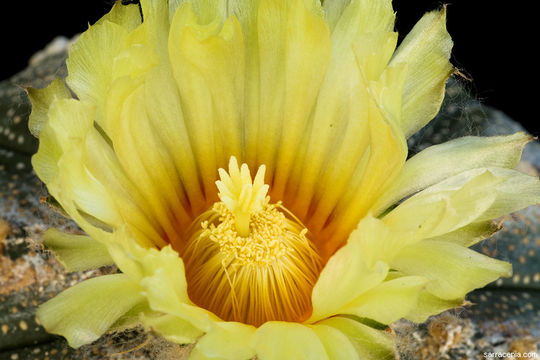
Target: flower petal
(42, 100)
(434, 212)
(336, 344)
(289, 36)
(386, 155)
(370, 344)
(191, 41)
(440, 162)
(389, 301)
(76, 252)
(127, 16)
(516, 192)
(476, 195)
(90, 62)
(471, 234)
(453, 269)
(81, 316)
(429, 304)
(45, 161)
(377, 241)
(148, 164)
(278, 340)
(164, 285)
(425, 50)
(355, 275)
(349, 18)
(228, 341)
(172, 328)
(344, 112)
(102, 163)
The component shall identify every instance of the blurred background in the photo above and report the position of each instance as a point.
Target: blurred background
(494, 43)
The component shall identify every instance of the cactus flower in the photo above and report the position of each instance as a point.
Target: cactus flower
(244, 165)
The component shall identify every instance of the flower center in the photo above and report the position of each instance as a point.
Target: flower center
(248, 260)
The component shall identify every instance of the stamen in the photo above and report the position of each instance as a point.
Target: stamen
(248, 260)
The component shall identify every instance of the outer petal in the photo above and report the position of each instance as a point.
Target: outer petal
(476, 195)
(227, 340)
(164, 285)
(431, 213)
(349, 18)
(516, 192)
(172, 328)
(76, 252)
(127, 16)
(370, 344)
(426, 50)
(81, 316)
(356, 276)
(378, 241)
(91, 61)
(45, 161)
(471, 234)
(429, 304)
(440, 162)
(283, 340)
(453, 269)
(389, 301)
(42, 100)
(337, 345)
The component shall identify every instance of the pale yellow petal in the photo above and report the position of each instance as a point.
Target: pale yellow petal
(434, 212)
(429, 305)
(516, 192)
(369, 343)
(341, 110)
(440, 162)
(389, 301)
(378, 241)
(356, 276)
(453, 269)
(350, 18)
(373, 52)
(290, 35)
(227, 340)
(127, 16)
(425, 50)
(91, 61)
(41, 100)
(172, 328)
(81, 316)
(195, 93)
(286, 340)
(386, 155)
(476, 195)
(164, 110)
(164, 285)
(336, 344)
(76, 252)
(102, 163)
(471, 234)
(45, 161)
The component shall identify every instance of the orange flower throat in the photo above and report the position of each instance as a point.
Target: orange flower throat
(248, 260)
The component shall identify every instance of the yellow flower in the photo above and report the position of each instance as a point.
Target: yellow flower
(243, 163)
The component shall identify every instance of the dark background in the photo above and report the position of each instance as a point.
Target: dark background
(494, 43)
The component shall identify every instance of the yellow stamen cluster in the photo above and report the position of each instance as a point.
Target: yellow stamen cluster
(248, 260)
